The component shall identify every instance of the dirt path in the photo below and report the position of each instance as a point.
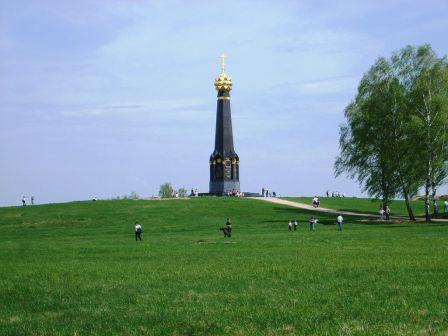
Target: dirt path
(310, 207)
(336, 212)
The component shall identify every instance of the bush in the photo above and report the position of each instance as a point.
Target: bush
(182, 192)
(166, 190)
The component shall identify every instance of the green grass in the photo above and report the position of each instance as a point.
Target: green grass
(75, 269)
(365, 205)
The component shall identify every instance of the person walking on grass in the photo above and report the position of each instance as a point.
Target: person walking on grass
(138, 231)
(290, 226)
(312, 221)
(23, 201)
(295, 224)
(340, 222)
(229, 226)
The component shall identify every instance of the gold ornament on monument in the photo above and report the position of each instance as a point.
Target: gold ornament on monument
(223, 82)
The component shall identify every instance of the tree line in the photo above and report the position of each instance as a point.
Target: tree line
(394, 141)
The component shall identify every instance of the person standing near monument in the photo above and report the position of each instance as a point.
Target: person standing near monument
(340, 222)
(138, 231)
(23, 201)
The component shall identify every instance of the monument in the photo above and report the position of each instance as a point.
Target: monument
(224, 162)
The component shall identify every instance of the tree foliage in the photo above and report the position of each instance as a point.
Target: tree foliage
(166, 190)
(395, 138)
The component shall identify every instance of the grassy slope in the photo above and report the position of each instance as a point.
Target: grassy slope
(365, 205)
(74, 269)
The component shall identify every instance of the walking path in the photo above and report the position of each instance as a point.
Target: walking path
(310, 207)
(333, 211)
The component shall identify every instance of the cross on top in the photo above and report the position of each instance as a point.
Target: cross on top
(223, 62)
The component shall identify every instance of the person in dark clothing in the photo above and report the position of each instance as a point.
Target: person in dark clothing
(138, 231)
(229, 227)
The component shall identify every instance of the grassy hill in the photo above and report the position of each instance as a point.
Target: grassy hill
(366, 205)
(75, 269)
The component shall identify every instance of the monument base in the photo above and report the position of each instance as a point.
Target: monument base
(221, 188)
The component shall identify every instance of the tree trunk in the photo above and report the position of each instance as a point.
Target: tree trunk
(408, 206)
(427, 187)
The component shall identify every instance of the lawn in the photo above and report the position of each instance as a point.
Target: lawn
(75, 269)
(366, 205)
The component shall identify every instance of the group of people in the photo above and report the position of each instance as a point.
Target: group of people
(312, 221)
(335, 194)
(235, 193)
(384, 212)
(24, 200)
(316, 202)
(194, 192)
(436, 207)
(266, 193)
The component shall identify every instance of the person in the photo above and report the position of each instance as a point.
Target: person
(318, 201)
(32, 200)
(192, 193)
(290, 225)
(387, 213)
(23, 201)
(138, 231)
(446, 206)
(274, 194)
(436, 207)
(312, 221)
(262, 192)
(266, 192)
(295, 224)
(381, 212)
(229, 226)
(340, 222)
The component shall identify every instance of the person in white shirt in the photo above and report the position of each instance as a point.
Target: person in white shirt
(138, 231)
(289, 225)
(312, 221)
(295, 224)
(340, 222)
(446, 206)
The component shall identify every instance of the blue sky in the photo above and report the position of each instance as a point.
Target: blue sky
(99, 98)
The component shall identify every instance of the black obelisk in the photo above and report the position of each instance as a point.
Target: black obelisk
(224, 162)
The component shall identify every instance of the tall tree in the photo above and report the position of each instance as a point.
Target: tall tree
(366, 140)
(424, 77)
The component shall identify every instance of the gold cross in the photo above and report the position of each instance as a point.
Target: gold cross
(223, 62)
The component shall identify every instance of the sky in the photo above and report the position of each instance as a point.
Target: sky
(101, 98)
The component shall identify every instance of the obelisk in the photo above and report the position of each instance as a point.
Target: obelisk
(224, 162)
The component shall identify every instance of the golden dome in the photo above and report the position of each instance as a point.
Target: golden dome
(223, 82)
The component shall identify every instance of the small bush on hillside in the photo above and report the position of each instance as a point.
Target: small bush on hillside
(182, 192)
(166, 190)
